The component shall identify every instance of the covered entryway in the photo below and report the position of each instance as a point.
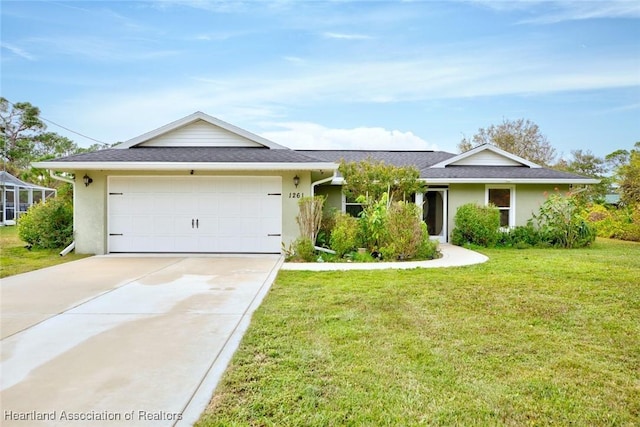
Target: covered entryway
(214, 214)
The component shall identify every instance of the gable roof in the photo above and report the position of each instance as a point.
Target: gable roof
(8, 180)
(486, 155)
(199, 141)
(190, 120)
(483, 164)
(206, 143)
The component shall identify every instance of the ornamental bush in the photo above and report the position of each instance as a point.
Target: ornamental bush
(616, 223)
(344, 235)
(476, 225)
(303, 250)
(404, 235)
(521, 237)
(48, 225)
(562, 223)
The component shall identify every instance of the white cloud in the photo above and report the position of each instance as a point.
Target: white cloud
(577, 11)
(244, 100)
(552, 12)
(17, 51)
(343, 36)
(310, 136)
(99, 48)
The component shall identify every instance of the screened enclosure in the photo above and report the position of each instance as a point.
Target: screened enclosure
(18, 196)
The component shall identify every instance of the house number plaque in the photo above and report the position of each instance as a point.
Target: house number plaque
(296, 195)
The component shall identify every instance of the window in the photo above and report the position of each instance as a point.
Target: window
(352, 207)
(503, 197)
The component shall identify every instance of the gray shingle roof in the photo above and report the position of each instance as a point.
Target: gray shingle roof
(191, 155)
(423, 160)
(496, 172)
(419, 159)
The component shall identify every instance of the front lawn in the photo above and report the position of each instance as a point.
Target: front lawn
(15, 259)
(532, 337)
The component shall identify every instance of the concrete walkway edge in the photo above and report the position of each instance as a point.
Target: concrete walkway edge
(203, 394)
(452, 256)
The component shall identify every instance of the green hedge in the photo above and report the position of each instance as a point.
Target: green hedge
(48, 225)
(476, 225)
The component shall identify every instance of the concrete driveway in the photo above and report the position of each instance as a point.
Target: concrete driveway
(121, 341)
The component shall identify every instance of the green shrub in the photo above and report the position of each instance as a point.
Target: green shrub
(476, 225)
(48, 225)
(344, 236)
(405, 233)
(373, 222)
(616, 223)
(521, 237)
(428, 248)
(562, 224)
(303, 250)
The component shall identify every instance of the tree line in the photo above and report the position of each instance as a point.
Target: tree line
(24, 139)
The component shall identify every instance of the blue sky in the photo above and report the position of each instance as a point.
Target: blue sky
(331, 74)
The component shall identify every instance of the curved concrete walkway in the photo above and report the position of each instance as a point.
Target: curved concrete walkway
(452, 256)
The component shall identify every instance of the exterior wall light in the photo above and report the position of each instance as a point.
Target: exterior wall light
(296, 180)
(87, 180)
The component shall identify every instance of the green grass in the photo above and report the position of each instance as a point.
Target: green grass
(532, 337)
(15, 259)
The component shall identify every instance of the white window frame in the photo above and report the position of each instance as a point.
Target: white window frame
(345, 203)
(512, 201)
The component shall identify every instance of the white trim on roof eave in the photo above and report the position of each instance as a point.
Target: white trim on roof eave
(174, 166)
(199, 115)
(483, 147)
(509, 181)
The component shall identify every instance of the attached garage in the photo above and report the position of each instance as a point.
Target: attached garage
(196, 185)
(215, 214)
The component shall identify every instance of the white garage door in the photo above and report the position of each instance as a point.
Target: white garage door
(195, 214)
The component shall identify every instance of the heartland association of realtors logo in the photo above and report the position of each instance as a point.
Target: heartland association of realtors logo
(133, 415)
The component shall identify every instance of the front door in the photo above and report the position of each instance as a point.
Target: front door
(434, 213)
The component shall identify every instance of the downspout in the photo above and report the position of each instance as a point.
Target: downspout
(73, 184)
(322, 181)
(313, 193)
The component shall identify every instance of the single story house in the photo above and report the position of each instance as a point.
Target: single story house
(200, 184)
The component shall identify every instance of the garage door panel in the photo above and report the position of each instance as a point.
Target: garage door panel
(141, 204)
(208, 225)
(163, 225)
(271, 206)
(120, 224)
(181, 203)
(143, 225)
(182, 225)
(227, 226)
(208, 204)
(160, 203)
(271, 225)
(118, 185)
(119, 243)
(195, 214)
(271, 244)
